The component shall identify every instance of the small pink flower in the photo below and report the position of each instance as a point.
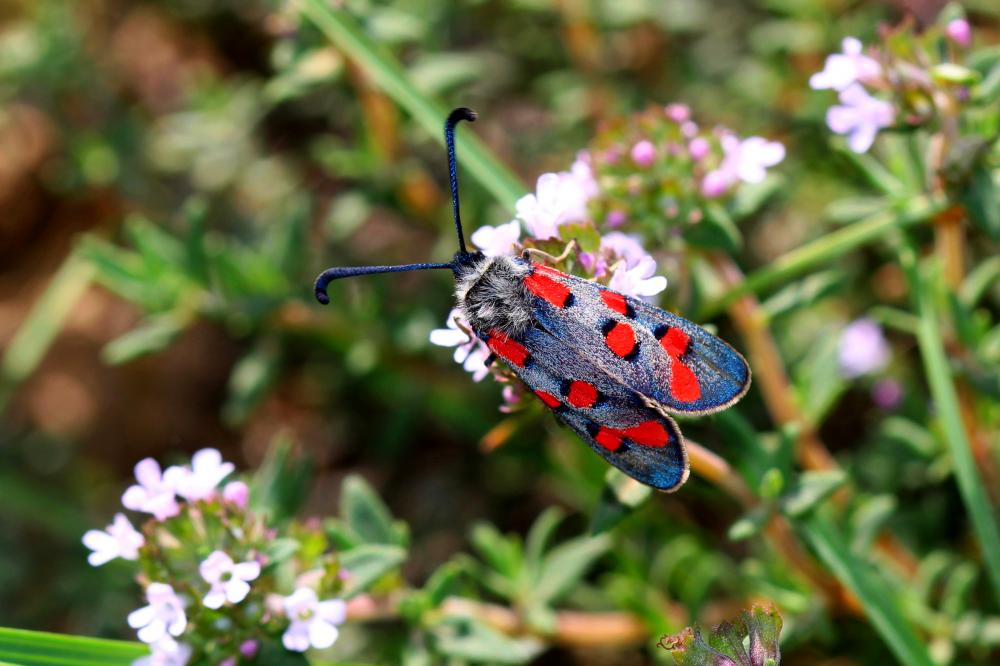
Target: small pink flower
(249, 648)
(863, 349)
(615, 219)
(960, 32)
(236, 493)
(887, 394)
(644, 154)
(860, 116)
(699, 148)
(843, 70)
(679, 113)
(162, 617)
(312, 622)
(207, 471)
(715, 184)
(689, 129)
(498, 240)
(623, 246)
(155, 493)
(638, 281)
(559, 198)
(120, 540)
(749, 159)
(228, 661)
(230, 581)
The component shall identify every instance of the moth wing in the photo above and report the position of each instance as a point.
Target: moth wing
(664, 357)
(613, 419)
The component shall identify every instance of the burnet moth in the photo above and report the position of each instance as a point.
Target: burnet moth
(611, 367)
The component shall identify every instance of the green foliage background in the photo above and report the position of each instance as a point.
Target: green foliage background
(175, 173)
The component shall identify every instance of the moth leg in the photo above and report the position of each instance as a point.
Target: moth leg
(489, 360)
(530, 252)
(465, 329)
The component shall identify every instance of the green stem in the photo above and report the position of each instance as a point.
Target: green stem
(935, 359)
(876, 597)
(383, 69)
(822, 250)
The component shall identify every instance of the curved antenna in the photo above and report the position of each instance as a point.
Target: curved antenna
(336, 273)
(454, 118)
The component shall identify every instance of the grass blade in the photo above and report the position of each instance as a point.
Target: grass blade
(341, 29)
(31, 648)
(43, 323)
(876, 597)
(827, 248)
(935, 360)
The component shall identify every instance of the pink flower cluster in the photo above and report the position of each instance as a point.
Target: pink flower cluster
(898, 79)
(186, 498)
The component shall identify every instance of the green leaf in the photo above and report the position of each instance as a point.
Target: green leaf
(368, 563)
(540, 535)
(716, 231)
(443, 582)
(749, 525)
(868, 519)
(566, 564)
(251, 379)
(367, 515)
(37, 648)
(803, 293)
(503, 554)
(380, 66)
(43, 323)
(810, 491)
(982, 201)
(880, 603)
(281, 484)
(620, 497)
(468, 639)
(154, 335)
(979, 281)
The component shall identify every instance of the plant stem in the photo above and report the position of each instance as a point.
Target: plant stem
(945, 396)
(824, 249)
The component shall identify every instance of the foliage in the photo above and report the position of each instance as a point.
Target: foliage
(191, 184)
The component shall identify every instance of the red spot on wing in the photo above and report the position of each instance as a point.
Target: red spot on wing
(581, 394)
(620, 339)
(550, 400)
(648, 433)
(509, 350)
(615, 301)
(675, 342)
(684, 385)
(548, 270)
(545, 287)
(609, 438)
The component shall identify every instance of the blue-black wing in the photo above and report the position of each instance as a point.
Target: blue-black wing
(616, 421)
(679, 365)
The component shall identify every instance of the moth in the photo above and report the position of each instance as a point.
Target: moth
(611, 367)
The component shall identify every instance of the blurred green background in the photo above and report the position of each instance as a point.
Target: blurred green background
(132, 132)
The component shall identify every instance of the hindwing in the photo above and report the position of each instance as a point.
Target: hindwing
(616, 421)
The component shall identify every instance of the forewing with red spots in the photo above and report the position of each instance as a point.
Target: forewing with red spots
(661, 356)
(611, 417)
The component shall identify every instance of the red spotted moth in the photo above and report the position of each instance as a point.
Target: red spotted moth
(611, 367)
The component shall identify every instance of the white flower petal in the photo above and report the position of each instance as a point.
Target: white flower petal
(296, 637)
(322, 634)
(332, 610)
(152, 632)
(446, 337)
(140, 617)
(237, 590)
(247, 570)
(147, 472)
(215, 598)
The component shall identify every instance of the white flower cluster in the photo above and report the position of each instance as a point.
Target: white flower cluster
(312, 622)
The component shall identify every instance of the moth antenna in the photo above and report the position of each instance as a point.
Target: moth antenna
(338, 272)
(454, 118)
